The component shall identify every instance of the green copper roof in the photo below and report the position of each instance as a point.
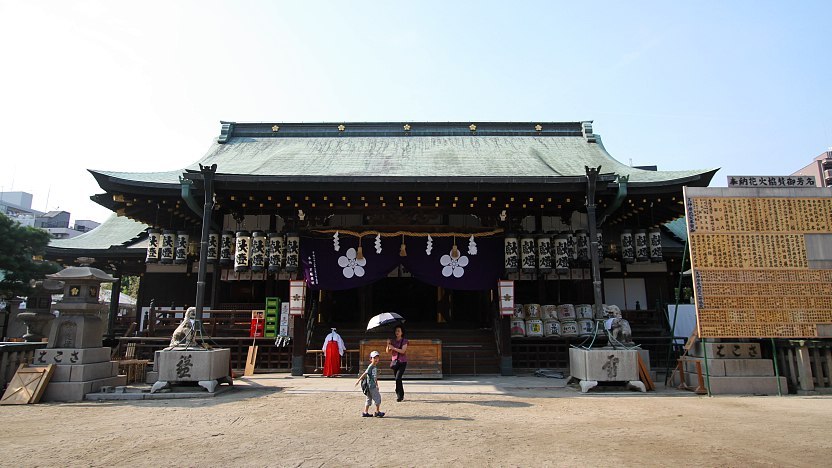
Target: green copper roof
(679, 228)
(441, 150)
(114, 232)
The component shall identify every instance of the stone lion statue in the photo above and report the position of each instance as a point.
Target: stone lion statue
(618, 327)
(185, 333)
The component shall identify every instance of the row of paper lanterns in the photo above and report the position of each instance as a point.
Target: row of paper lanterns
(255, 251)
(558, 251)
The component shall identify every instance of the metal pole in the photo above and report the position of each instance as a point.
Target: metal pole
(208, 187)
(776, 369)
(591, 179)
(675, 315)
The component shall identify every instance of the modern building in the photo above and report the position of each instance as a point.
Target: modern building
(820, 168)
(18, 206)
(420, 218)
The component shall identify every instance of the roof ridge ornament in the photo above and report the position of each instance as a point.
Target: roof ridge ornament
(586, 129)
(225, 132)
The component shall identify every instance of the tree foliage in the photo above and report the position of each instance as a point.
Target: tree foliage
(19, 248)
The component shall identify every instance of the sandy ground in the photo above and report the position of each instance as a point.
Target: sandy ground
(280, 426)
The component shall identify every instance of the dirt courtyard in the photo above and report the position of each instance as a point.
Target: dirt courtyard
(276, 427)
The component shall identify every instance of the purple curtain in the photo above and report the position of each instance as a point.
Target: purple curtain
(475, 266)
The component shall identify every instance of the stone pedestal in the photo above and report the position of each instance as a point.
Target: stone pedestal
(207, 367)
(732, 368)
(592, 366)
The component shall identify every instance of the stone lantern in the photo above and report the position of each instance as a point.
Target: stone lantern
(38, 314)
(79, 324)
(83, 365)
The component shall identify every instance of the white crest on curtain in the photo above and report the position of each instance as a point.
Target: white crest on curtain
(351, 265)
(378, 243)
(453, 267)
(335, 242)
(430, 245)
(472, 246)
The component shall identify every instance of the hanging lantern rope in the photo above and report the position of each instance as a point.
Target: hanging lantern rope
(409, 233)
(403, 249)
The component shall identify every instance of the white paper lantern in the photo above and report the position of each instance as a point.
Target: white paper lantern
(292, 252)
(528, 251)
(582, 245)
(571, 246)
(181, 251)
(655, 241)
(561, 254)
(642, 251)
(154, 241)
(258, 251)
(242, 251)
(227, 248)
(168, 240)
(275, 251)
(628, 248)
(213, 247)
(512, 249)
(544, 252)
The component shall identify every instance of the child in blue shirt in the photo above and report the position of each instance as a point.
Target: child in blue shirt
(371, 374)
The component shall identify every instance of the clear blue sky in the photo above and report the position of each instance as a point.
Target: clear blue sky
(741, 85)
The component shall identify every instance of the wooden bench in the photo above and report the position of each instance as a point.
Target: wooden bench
(424, 358)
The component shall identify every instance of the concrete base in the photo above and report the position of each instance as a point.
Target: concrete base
(85, 372)
(75, 391)
(742, 385)
(71, 356)
(733, 367)
(587, 385)
(151, 377)
(175, 393)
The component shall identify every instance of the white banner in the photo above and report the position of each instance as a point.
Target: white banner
(506, 290)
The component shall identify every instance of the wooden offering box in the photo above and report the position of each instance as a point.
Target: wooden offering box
(424, 358)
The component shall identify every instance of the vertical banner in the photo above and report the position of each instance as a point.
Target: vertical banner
(297, 297)
(506, 290)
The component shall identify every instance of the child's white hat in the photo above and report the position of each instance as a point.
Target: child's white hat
(374, 354)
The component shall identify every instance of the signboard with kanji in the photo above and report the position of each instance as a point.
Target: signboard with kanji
(772, 181)
(759, 263)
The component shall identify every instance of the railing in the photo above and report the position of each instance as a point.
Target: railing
(12, 355)
(236, 323)
(270, 358)
(807, 364)
(349, 361)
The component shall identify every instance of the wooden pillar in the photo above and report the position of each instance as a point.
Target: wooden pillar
(299, 345)
(506, 361)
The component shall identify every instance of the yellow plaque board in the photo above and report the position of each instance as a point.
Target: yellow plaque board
(757, 269)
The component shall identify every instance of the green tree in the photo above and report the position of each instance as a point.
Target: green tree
(20, 249)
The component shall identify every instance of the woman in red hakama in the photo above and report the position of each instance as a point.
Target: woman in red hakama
(333, 349)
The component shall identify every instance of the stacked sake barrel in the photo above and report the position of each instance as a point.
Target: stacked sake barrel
(549, 320)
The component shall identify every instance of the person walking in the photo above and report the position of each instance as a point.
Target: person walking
(398, 348)
(370, 387)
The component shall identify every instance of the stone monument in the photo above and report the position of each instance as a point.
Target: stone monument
(82, 364)
(186, 361)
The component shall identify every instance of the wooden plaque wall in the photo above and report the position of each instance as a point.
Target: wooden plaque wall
(751, 273)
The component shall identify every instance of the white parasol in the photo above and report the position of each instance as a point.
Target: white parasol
(386, 318)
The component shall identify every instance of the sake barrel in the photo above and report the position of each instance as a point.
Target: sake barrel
(586, 327)
(534, 327)
(518, 312)
(549, 312)
(566, 312)
(551, 328)
(518, 327)
(569, 328)
(532, 311)
(583, 311)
